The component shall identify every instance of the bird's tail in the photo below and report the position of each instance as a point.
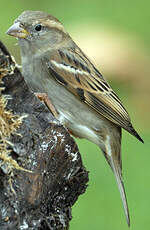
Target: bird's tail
(113, 156)
(118, 176)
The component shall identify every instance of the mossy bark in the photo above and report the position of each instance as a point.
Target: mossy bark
(41, 173)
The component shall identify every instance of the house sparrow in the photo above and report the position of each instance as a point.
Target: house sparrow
(52, 63)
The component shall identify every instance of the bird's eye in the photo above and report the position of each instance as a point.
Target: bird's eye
(38, 27)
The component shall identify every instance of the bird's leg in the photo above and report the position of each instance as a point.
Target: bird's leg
(44, 97)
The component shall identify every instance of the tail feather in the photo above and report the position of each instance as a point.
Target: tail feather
(120, 184)
(113, 156)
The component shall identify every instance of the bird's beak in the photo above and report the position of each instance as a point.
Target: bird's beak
(17, 31)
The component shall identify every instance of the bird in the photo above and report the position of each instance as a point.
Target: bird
(54, 65)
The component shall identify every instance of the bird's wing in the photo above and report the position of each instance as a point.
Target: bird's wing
(72, 69)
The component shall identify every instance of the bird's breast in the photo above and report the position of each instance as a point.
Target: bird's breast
(78, 117)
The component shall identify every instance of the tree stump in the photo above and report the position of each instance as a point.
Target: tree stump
(41, 171)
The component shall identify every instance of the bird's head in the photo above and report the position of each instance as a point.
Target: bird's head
(39, 29)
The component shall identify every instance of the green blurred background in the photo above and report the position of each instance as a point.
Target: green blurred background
(116, 36)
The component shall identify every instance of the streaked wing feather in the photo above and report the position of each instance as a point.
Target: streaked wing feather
(75, 71)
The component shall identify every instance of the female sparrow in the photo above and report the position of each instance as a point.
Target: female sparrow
(52, 63)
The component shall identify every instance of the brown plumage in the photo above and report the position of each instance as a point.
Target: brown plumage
(52, 63)
(97, 92)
